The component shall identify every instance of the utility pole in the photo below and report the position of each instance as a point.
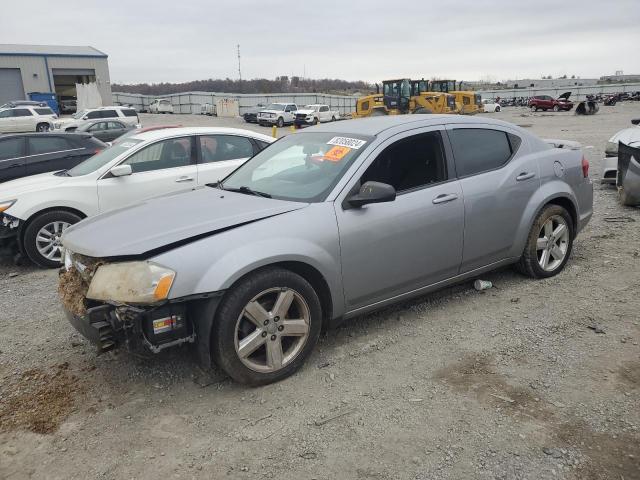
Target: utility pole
(239, 71)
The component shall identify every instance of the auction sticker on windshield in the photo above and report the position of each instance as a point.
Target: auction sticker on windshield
(335, 154)
(353, 143)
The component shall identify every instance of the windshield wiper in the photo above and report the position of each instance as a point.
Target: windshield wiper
(62, 173)
(247, 190)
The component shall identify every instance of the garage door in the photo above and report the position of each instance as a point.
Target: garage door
(10, 85)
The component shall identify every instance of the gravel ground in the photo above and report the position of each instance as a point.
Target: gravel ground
(508, 383)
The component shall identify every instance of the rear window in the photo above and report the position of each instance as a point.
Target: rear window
(478, 150)
(47, 144)
(129, 113)
(43, 111)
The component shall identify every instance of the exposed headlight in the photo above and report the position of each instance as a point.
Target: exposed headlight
(611, 150)
(5, 205)
(131, 282)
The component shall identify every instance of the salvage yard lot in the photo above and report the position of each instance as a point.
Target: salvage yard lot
(509, 383)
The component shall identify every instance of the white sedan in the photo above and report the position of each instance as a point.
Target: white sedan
(490, 106)
(144, 165)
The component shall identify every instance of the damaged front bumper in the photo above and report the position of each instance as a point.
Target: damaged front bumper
(135, 328)
(9, 225)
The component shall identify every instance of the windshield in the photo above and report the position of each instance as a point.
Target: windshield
(79, 114)
(99, 160)
(303, 167)
(312, 107)
(275, 106)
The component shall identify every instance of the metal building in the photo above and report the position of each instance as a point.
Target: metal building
(51, 69)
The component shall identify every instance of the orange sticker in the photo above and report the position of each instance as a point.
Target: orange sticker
(337, 153)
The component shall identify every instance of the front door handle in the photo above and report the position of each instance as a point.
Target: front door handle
(184, 179)
(525, 176)
(445, 197)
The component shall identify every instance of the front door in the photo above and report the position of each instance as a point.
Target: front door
(219, 155)
(497, 182)
(163, 167)
(388, 249)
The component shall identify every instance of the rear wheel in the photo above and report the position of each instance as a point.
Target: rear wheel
(41, 240)
(422, 110)
(266, 327)
(549, 243)
(534, 108)
(378, 112)
(42, 127)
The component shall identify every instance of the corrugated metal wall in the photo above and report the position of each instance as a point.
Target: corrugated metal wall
(577, 93)
(190, 102)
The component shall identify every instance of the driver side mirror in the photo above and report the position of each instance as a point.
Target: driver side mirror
(121, 170)
(372, 192)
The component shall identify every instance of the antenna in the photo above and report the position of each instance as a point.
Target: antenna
(239, 71)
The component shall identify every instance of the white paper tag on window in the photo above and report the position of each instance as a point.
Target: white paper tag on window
(353, 143)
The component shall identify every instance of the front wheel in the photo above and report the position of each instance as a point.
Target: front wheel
(549, 243)
(41, 240)
(266, 326)
(556, 108)
(498, 109)
(42, 127)
(333, 119)
(280, 122)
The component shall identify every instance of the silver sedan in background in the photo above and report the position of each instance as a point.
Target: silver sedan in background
(321, 226)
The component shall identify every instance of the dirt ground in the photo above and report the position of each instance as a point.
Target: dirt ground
(509, 383)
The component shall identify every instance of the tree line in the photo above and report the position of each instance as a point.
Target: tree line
(282, 84)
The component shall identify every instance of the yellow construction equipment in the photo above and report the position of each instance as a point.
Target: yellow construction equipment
(404, 96)
(467, 101)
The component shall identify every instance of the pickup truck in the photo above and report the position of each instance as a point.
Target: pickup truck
(314, 114)
(278, 114)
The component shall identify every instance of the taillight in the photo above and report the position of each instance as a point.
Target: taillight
(98, 150)
(585, 167)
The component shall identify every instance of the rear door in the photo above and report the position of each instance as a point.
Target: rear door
(23, 120)
(12, 158)
(219, 155)
(48, 153)
(498, 178)
(114, 130)
(163, 167)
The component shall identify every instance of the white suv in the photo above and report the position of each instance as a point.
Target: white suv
(25, 118)
(161, 105)
(125, 114)
(278, 114)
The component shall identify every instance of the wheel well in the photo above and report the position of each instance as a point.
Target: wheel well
(50, 209)
(568, 205)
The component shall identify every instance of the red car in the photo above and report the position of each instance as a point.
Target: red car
(546, 102)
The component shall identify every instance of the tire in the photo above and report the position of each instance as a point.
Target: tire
(422, 111)
(378, 112)
(42, 127)
(52, 221)
(232, 322)
(498, 109)
(556, 108)
(333, 119)
(280, 122)
(625, 199)
(534, 108)
(530, 263)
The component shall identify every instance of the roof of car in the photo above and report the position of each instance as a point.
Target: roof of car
(45, 134)
(376, 125)
(173, 132)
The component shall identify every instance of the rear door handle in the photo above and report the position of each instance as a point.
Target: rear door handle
(445, 197)
(525, 176)
(184, 179)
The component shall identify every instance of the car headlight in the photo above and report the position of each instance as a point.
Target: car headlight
(6, 204)
(611, 150)
(131, 282)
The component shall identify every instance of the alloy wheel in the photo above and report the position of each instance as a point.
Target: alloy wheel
(48, 240)
(553, 243)
(272, 329)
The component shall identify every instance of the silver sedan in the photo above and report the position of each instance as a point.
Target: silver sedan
(320, 227)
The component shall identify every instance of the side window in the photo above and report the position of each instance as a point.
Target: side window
(324, 108)
(108, 114)
(93, 115)
(11, 148)
(478, 150)
(365, 105)
(97, 126)
(218, 148)
(6, 114)
(129, 112)
(410, 163)
(261, 145)
(41, 145)
(22, 112)
(114, 125)
(171, 153)
(466, 100)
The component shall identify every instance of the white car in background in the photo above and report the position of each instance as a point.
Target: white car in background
(39, 208)
(628, 136)
(126, 115)
(279, 114)
(314, 114)
(490, 106)
(161, 105)
(26, 118)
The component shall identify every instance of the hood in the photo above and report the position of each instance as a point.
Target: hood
(169, 221)
(627, 136)
(305, 111)
(271, 111)
(564, 96)
(14, 188)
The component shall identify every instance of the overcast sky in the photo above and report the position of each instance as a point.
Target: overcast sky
(170, 41)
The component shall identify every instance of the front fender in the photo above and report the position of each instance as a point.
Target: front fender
(549, 191)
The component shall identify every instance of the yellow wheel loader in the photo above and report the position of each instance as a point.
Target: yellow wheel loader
(467, 101)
